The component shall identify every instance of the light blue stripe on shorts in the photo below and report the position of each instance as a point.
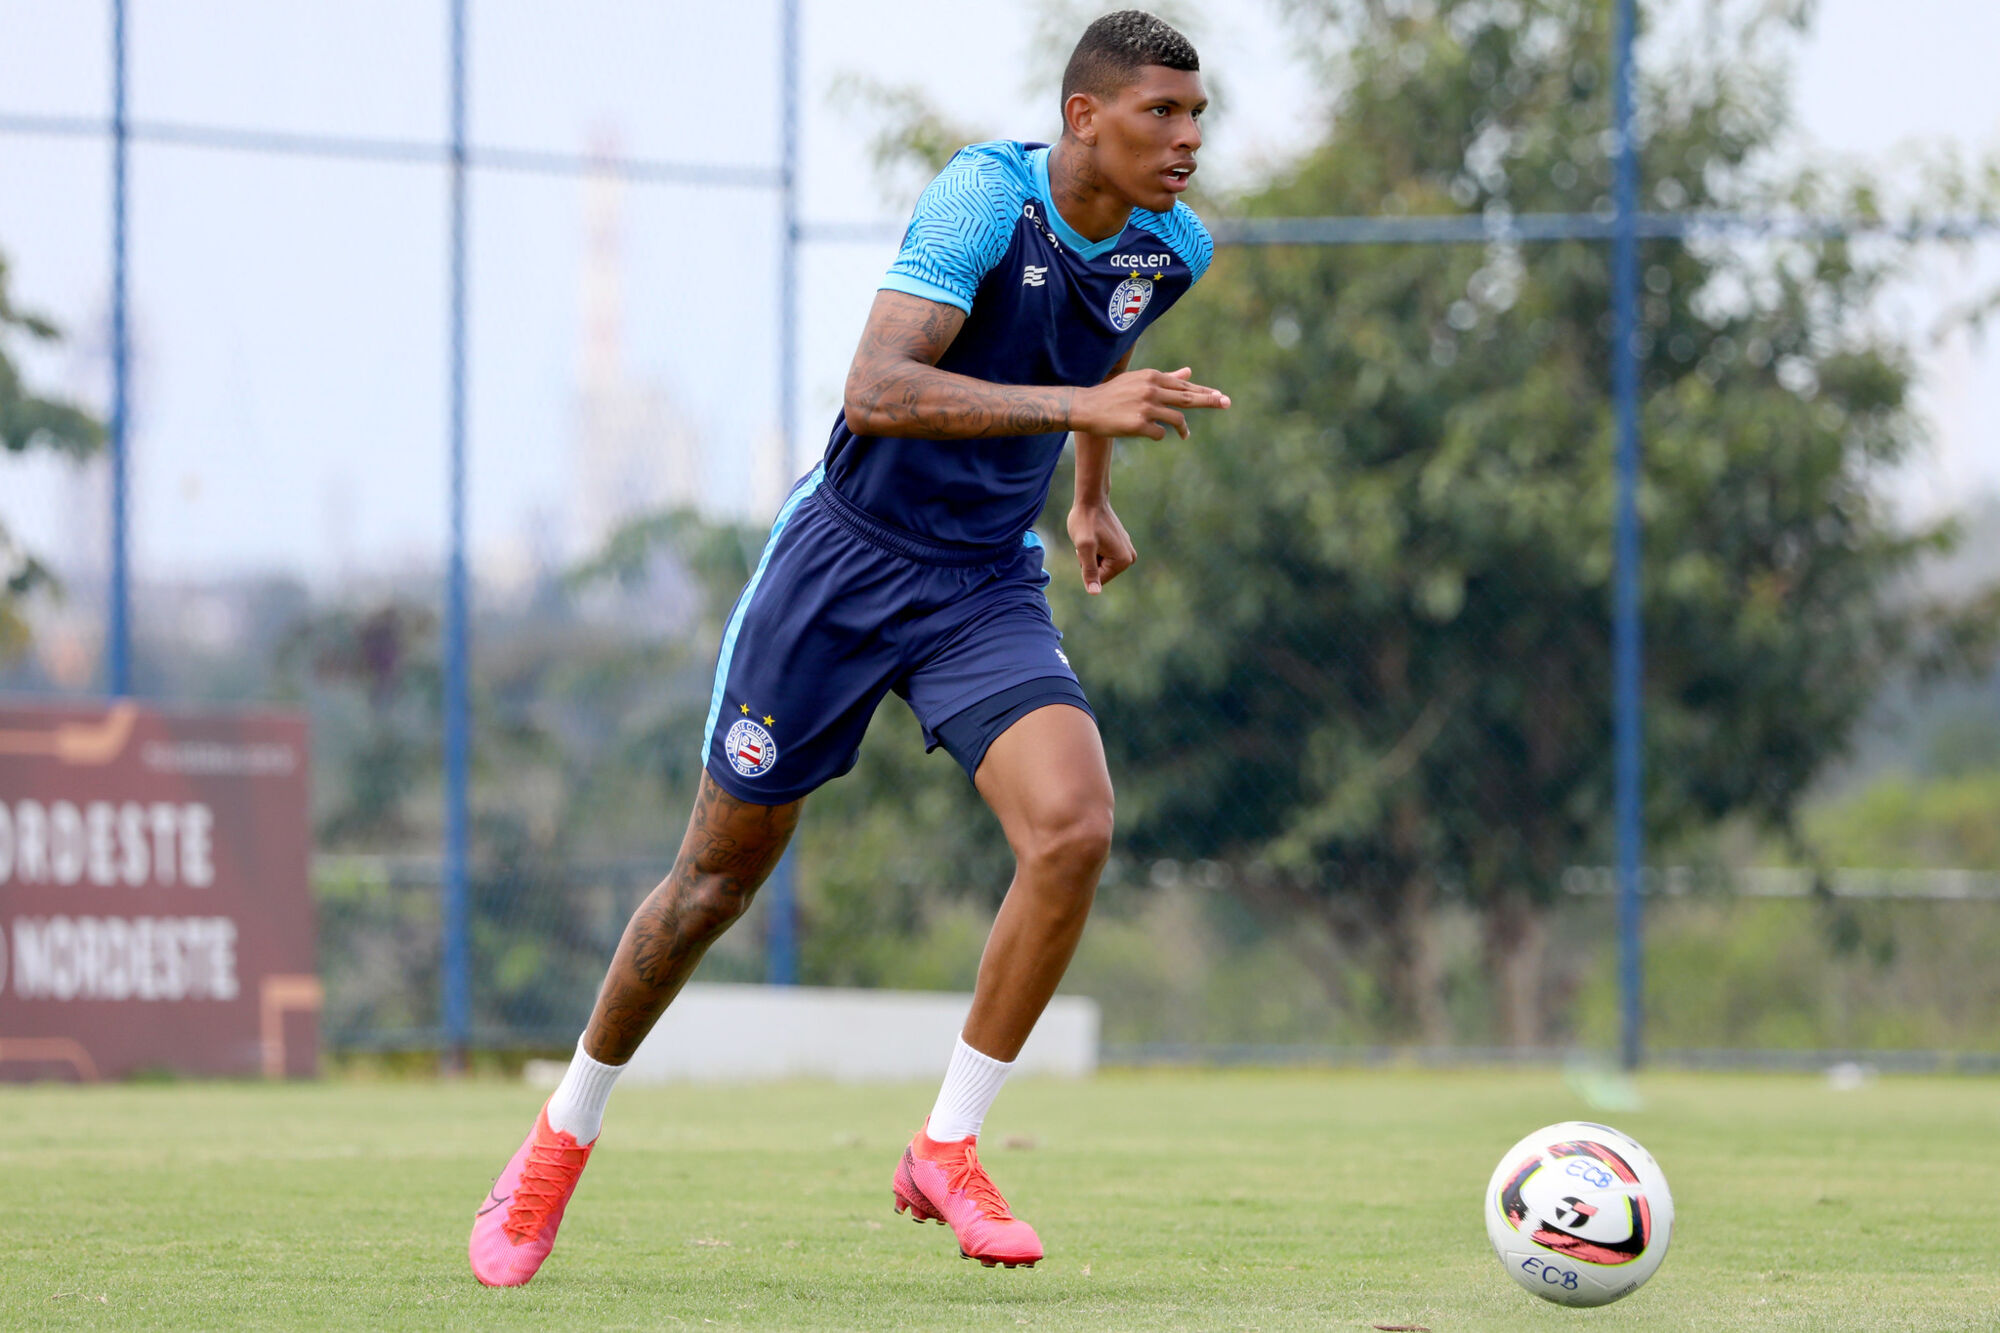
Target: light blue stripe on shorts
(797, 498)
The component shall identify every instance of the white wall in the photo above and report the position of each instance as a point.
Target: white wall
(717, 1033)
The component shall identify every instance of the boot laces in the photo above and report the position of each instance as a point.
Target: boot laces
(547, 1178)
(969, 1178)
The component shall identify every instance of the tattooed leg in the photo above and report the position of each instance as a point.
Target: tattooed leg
(729, 849)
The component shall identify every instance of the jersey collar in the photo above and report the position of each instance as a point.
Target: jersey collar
(1065, 233)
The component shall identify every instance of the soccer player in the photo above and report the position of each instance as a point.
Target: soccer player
(907, 561)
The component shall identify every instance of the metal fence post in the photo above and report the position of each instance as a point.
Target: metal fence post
(1626, 628)
(118, 630)
(457, 945)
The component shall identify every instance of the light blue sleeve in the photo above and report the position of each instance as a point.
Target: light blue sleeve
(961, 228)
(1184, 234)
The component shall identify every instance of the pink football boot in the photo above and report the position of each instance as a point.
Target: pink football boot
(944, 1181)
(515, 1227)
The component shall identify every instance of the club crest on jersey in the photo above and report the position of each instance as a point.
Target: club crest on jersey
(750, 749)
(1129, 301)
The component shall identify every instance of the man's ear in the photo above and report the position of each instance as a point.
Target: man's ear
(1080, 118)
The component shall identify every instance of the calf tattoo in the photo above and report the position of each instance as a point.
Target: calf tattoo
(730, 849)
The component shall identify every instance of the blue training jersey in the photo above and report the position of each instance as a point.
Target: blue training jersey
(1043, 306)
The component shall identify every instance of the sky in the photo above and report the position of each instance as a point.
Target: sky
(289, 314)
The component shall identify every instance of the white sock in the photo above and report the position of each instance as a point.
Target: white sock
(971, 1082)
(578, 1103)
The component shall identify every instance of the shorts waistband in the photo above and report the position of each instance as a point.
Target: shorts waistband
(907, 544)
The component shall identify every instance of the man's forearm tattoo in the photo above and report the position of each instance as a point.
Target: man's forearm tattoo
(896, 388)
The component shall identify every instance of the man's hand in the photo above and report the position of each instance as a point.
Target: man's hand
(1143, 402)
(1103, 551)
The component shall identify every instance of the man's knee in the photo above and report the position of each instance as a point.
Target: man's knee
(705, 905)
(730, 848)
(1071, 837)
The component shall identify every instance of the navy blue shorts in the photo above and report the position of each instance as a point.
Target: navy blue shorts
(842, 610)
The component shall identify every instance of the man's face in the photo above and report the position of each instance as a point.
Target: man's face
(1148, 134)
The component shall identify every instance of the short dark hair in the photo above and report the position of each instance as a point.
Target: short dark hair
(1117, 46)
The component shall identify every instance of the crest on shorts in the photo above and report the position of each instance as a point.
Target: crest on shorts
(1129, 301)
(750, 749)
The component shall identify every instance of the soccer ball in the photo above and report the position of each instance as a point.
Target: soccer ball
(1579, 1214)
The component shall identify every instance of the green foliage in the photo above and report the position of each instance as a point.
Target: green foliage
(717, 556)
(29, 420)
(585, 757)
(912, 139)
(1358, 683)
(1970, 745)
(581, 721)
(1902, 822)
(1809, 974)
(902, 864)
(1165, 968)
(378, 950)
(1367, 644)
(376, 677)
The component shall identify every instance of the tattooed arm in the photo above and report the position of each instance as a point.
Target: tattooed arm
(894, 387)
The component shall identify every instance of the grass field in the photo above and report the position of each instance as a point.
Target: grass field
(1167, 1200)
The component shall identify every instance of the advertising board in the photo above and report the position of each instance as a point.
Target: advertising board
(155, 905)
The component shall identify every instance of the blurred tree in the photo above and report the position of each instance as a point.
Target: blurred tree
(893, 856)
(911, 139)
(1904, 822)
(372, 757)
(588, 702)
(30, 421)
(571, 706)
(1365, 657)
